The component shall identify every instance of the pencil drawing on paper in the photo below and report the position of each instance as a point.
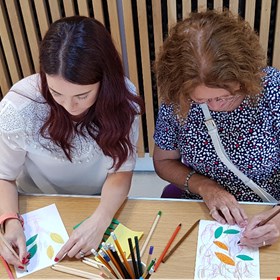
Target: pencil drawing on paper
(219, 256)
(44, 238)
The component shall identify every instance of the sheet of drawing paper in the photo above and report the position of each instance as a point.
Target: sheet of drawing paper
(45, 234)
(219, 257)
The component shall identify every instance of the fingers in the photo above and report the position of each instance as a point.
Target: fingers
(231, 215)
(72, 249)
(217, 216)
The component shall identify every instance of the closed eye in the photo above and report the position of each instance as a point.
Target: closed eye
(82, 96)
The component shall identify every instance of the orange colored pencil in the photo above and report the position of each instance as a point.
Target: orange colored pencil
(125, 262)
(167, 246)
(7, 268)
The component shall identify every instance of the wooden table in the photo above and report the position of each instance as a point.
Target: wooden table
(138, 214)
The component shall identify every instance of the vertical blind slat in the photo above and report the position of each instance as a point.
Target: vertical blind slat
(54, 10)
(32, 35)
(172, 13)
(8, 46)
(276, 46)
(69, 8)
(42, 16)
(146, 71)
(264, 24)
(201, 5)
(114, 24)
(187, 8)
(157, 27)
(250, 11)
(218, 5)
(131, 57)
(233, 7)
(98, 11)
(83, 8)
(4, 79)
(20, 42)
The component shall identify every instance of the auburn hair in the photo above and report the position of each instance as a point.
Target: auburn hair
(81, 51)
(213, 49)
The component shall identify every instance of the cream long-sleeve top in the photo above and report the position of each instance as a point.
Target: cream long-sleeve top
(36, 163)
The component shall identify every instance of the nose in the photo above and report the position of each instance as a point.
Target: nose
(69, 105)
(213, 104)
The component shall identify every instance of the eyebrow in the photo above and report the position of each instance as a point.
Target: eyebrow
(80, 94)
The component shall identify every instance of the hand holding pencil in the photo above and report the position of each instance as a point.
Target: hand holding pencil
(262, 230)
(10, 255)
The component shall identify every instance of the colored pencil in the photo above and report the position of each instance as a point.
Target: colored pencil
(135, 268)
(90, 263)
(117, 258)
(7, 268)
(111, 256)
(109, 261)
(139, 263)
(7, 244)
(107, 272)
(75, 272)
(263, 222)
(151, 264)
(149, 256)
(93, 261)
(101, 259)
(125, 262)
(167, 246)
(150, 234)
(180, 241)
(151, 271)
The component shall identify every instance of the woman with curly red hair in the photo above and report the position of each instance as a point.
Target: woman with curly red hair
(212, 67)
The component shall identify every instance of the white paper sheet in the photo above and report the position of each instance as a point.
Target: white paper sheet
(219, 257)
(45, 234)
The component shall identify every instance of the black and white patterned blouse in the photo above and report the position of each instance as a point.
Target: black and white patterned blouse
(249, 134)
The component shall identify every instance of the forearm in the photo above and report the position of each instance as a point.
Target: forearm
(114, 193)
(175, 172)
(8, 197)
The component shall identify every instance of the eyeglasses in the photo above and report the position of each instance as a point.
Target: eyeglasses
(217, 99)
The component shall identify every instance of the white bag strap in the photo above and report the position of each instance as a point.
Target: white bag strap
(213, 132)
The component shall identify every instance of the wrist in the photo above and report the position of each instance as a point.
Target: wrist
(4, 218)
(187, 179)
(203, 184)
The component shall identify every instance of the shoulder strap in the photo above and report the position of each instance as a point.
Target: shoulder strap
(213, 132)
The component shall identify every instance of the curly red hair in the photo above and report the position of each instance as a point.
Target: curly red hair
(210, 48)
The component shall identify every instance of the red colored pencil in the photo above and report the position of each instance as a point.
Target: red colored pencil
(167, 246)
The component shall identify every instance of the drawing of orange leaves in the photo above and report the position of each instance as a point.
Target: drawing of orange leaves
(56, 238)
(225, 259)
(50, 252)
(221, 245)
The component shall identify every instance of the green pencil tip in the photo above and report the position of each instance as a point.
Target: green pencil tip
(159, 213)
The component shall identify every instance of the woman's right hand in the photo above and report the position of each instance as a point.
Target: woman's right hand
(14, 235)
(223, 206)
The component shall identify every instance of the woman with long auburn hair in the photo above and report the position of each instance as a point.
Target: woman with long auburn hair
(214, 83)
(70, 129)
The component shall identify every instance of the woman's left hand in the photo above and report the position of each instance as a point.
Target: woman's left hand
(84, 238)
(89, 234)
(258, 236)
